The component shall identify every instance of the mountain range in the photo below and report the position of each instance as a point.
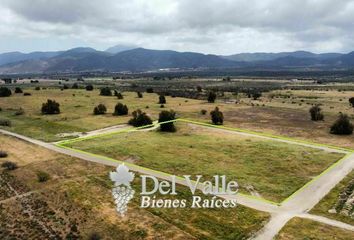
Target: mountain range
(130, 59)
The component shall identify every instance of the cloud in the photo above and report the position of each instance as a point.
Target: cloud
(211, 26)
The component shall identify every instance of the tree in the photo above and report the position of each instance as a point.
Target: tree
(342, 126)
(165, 116)
(120, 110)
(217, 116)
(140, 95)
(89, 87)
(351, 101)
(211, 97)
(162, 99)
(149, 90)
(50, 107)
(256, 95)
(199, 89)
(140, 119)
(316, 113)
(18, 90)
(106, 91)
(99, 109)
(5, 92)
(119, 95)
(75, 86)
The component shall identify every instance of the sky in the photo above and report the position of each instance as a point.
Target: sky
(209, 26)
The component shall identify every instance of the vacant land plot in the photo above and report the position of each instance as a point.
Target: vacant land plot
(264, 168)
(338, 204)
(76, 202)
(76, 111)
(298, 228)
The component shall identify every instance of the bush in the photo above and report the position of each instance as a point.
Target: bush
(89, 87)
(99, 109)
(19, 112)
(149, 90)
(316, 114)
(5, 123)
(162, 99)
(120, 109)
(217, 116)
(256, 95)
(42, 176)
(65, 86)
(75, 86)
(140, 95)
(211, 97)
(106, 91)
(119, 95)
(50, 107)
(351, 101)
(5, 92)
(165, 116)
(140, 119)
(342, 126)
(3, 154)
(203, 111)
(9, 165)
(26, 94)
(18, 90)
(37, 88)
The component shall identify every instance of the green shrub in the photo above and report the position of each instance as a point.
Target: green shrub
(119, 95)
(89, 87)
(3, 154)
(316, 113)
(162, 99)
(203, 111)
(351, 101)
(342, 126)
(75, 86)
(50, 107)
(9, 165)
(211, 97)
(120, 109)
(140, 95)
(149, 90)
(5, 92)
(27, 94)
(99, 109)
(165, 116)
(106, 91)
(37, 88)
(5, 123)
(140, 119)
(18, 90)
(42, 176)
(217, 116)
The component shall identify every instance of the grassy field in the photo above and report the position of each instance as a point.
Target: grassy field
(298, 228)
(330, 200)
(76, 201)
(280, 112)
(267, 168)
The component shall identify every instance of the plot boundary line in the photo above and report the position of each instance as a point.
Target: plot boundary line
(348, 152)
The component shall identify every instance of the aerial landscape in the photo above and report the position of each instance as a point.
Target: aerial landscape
(176, 119)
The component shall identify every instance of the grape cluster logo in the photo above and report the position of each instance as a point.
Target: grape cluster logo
(122, 191)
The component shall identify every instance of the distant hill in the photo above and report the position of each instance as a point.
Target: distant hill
(12, 57)
(120, 48)
(254, 57)
(140, 59)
